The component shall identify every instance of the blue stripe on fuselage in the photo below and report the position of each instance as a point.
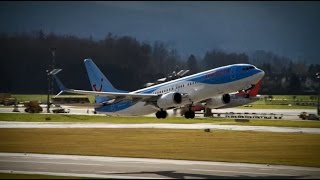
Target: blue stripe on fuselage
(217, 76)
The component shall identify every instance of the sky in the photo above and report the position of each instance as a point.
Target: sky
(290, 29)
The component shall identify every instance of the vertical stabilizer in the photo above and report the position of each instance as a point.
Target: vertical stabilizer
(255, 90)
(98, 81)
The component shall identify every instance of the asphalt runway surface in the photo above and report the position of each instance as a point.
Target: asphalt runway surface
(287, 114)
(9, 124)
(141, 168)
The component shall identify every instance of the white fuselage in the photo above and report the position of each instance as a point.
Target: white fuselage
(196, 91)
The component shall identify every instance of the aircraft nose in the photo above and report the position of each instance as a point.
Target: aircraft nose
(259, 74)
(262, 73)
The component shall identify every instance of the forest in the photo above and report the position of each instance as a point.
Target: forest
(129, 64)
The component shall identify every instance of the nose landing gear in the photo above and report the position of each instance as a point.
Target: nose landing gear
(189, 114)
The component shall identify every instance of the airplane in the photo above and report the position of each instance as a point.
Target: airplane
(157, 99)
(239, 98)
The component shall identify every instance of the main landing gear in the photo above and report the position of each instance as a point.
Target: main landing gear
(161, 114)
(189, 114)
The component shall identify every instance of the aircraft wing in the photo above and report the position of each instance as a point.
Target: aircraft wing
(114, 95)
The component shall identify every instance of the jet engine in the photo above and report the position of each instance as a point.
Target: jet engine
(172, 99)
(218, 101)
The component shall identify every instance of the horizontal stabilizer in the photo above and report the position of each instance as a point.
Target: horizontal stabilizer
(61, 86)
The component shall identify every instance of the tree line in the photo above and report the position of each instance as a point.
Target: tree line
(129, 63)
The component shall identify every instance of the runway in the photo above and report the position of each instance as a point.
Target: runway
(288, 114)
(140, 168)
(10, 124)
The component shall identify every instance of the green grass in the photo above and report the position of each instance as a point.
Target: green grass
(30, 97)
(179, 120)
(275, 106)
(33, 176)
(283, 101)
(6, 106)
(297, 97)
(229, 146)
(39, 97)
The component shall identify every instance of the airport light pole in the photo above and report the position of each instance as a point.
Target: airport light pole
(50, 80)
(318, 78)
(52, 67)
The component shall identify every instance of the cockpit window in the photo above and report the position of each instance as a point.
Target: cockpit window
(247, 68)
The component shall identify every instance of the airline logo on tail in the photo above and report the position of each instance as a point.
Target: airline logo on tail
(94, 86)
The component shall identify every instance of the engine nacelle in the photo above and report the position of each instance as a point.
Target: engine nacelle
(218, 101)
(172, 99)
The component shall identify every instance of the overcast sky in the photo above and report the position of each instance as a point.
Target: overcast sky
(286, 28)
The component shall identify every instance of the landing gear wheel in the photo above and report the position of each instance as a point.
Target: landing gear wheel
(158, 114)
(192, 114)
(161, 114)
(164, 114)
(186, 115)
(189, 114)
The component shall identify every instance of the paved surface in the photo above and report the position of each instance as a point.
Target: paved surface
(286, 113)
(139, 168)
(9, 124)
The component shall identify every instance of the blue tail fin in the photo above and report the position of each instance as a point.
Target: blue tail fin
(98, 81)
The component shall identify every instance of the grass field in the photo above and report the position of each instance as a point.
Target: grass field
(180, 120)
(30, 97)
(283, 101)
(39, 97)
(297, 97)
(275, 106)
(229, 146)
